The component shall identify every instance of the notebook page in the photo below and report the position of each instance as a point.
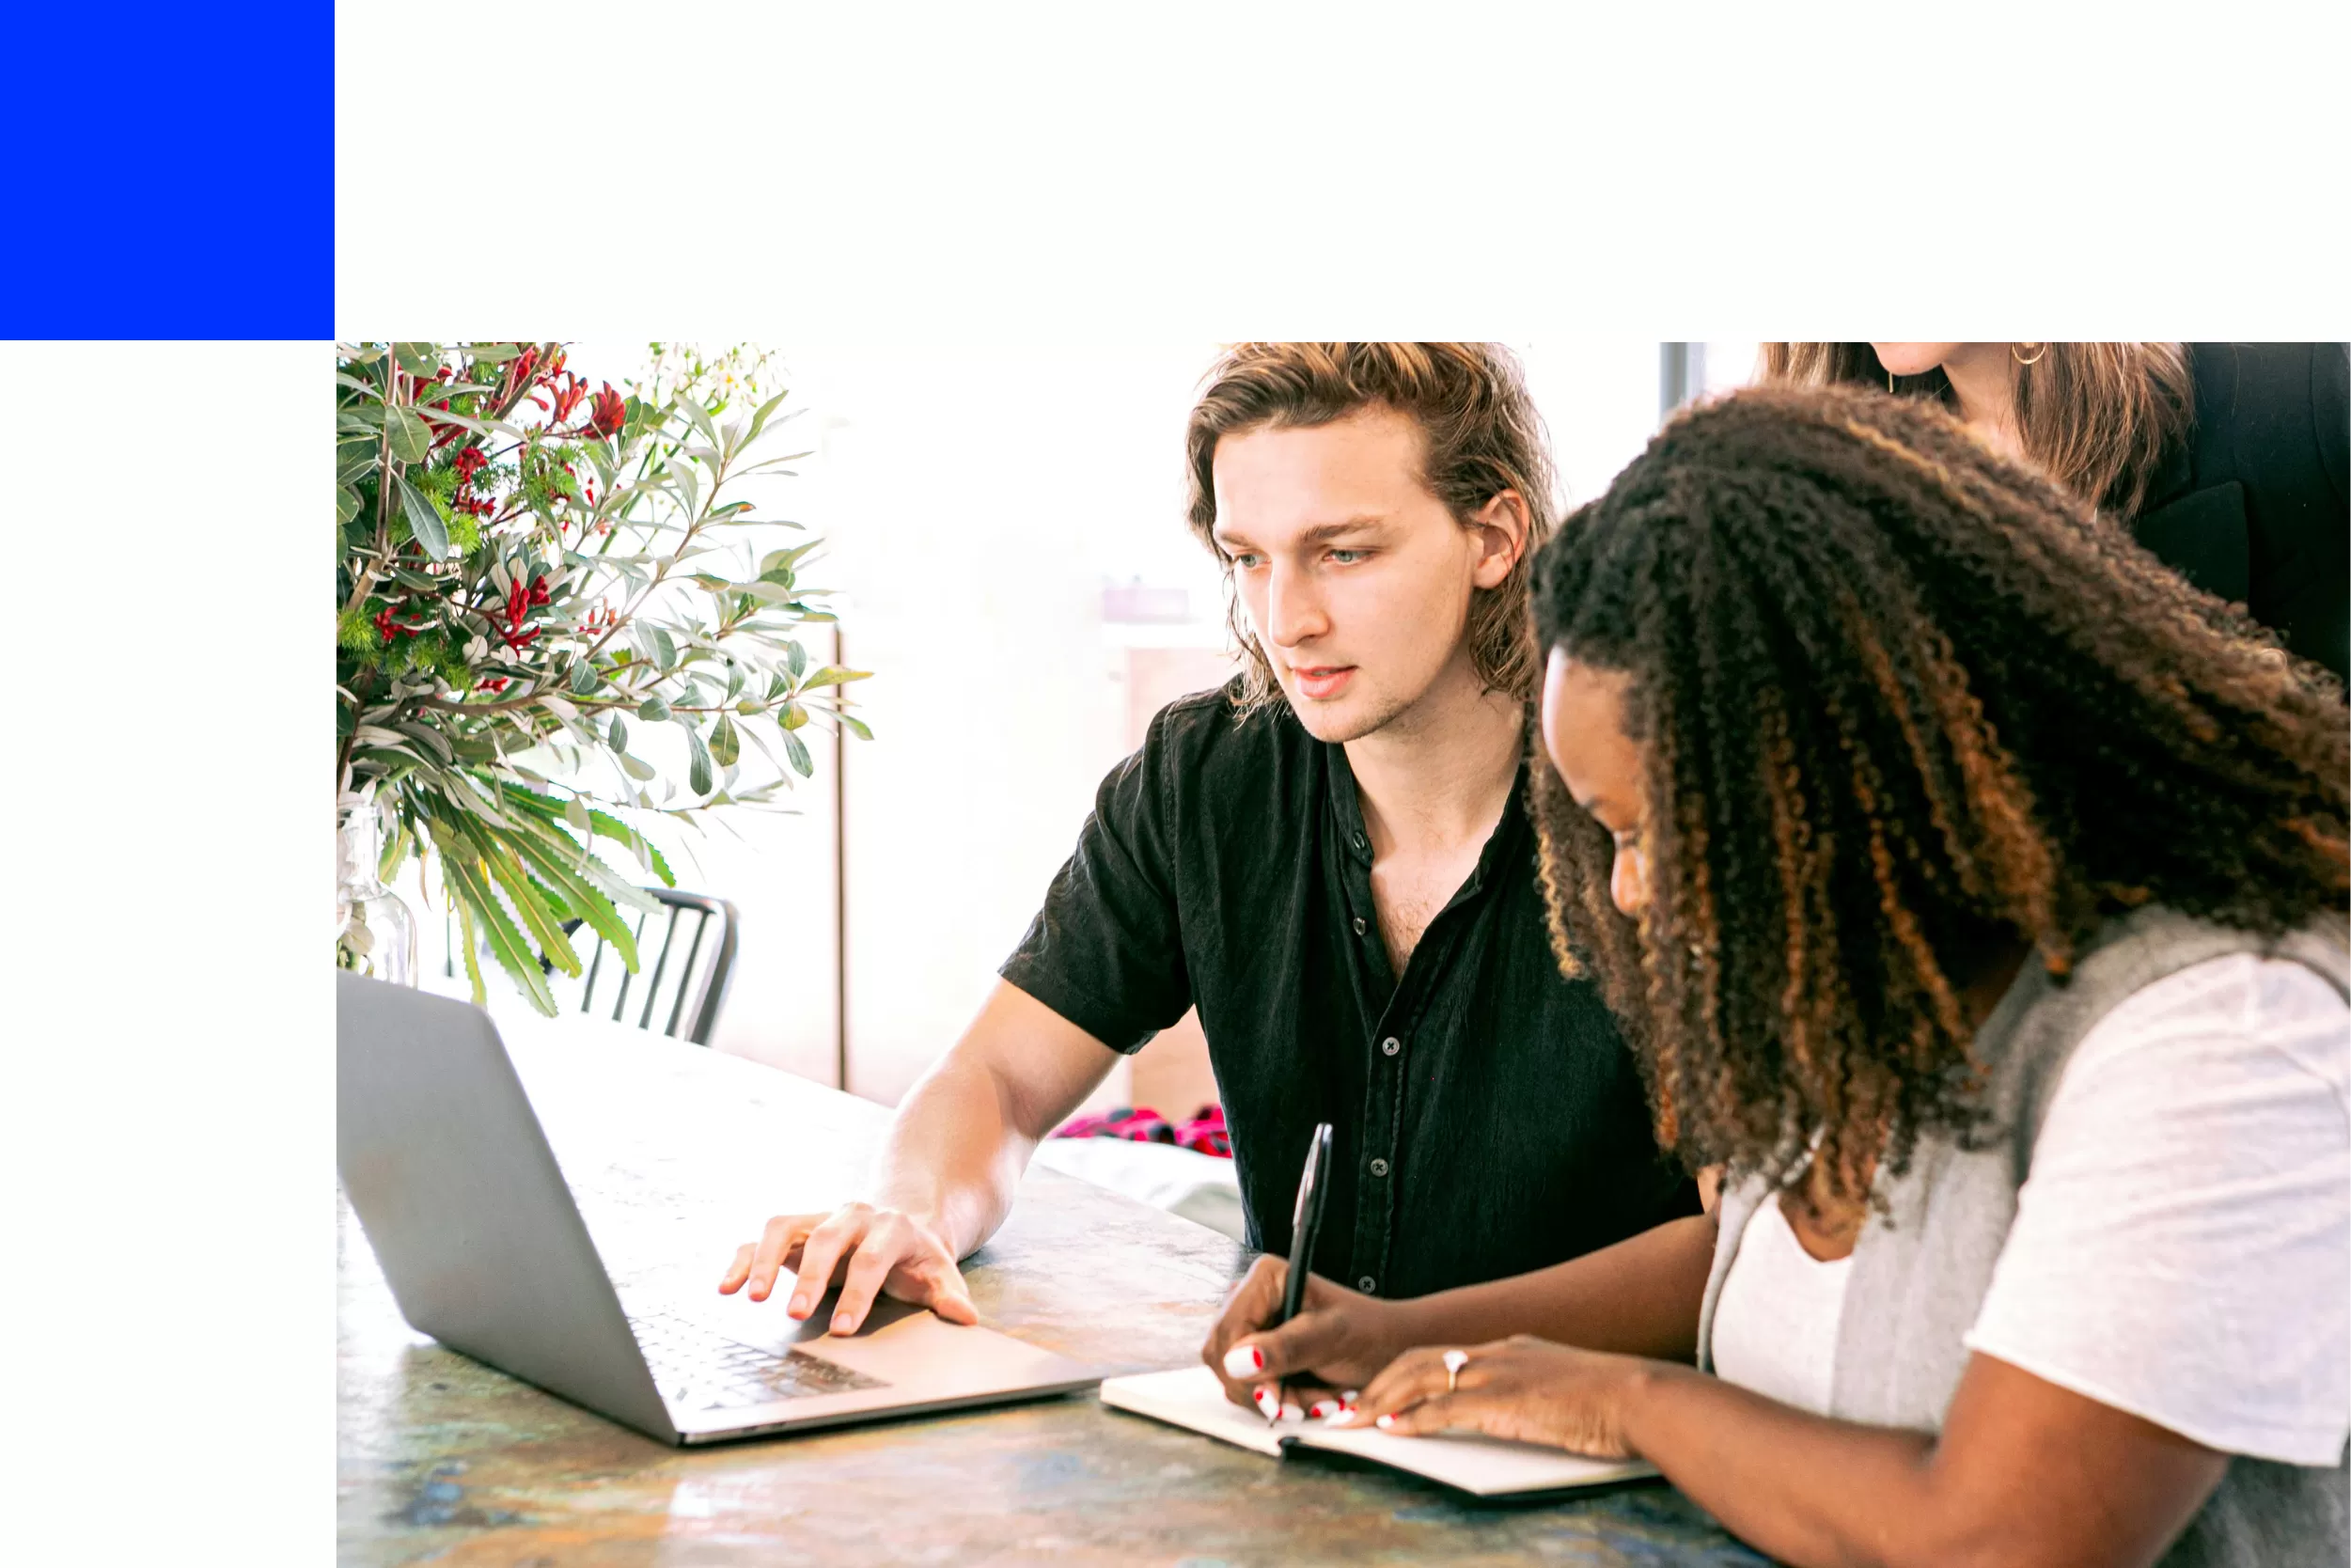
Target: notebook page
(1192, 1397)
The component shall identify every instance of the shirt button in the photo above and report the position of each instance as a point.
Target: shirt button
(1359, 840)
(1358, 925)
(1367, 1284)
(1390, 1045)
(1379, 1168)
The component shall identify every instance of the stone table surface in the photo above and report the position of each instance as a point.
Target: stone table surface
(676, 1154)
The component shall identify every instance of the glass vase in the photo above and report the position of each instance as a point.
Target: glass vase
(375, 934)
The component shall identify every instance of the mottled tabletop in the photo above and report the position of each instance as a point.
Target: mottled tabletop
(677, 1153)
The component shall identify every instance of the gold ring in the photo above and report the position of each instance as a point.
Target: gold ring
(1454, 1361)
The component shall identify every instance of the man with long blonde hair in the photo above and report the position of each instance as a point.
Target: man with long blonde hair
(1331, 859)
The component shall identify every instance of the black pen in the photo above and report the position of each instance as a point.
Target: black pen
(1306, 1225)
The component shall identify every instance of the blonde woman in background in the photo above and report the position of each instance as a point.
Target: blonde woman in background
(2225, 460)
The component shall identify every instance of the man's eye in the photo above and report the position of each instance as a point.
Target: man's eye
(1346, 558)
(1245, 561)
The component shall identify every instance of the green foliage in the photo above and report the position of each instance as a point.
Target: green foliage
(512, 578)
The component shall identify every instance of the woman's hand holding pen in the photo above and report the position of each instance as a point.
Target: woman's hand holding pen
(1335, 1344)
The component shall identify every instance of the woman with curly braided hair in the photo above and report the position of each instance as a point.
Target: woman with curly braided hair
(1973, 889)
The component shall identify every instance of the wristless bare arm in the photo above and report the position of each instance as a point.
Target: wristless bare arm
(1638, 1297)
(945, 1174)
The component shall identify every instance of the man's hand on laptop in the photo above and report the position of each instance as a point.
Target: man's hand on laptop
(866, 1251)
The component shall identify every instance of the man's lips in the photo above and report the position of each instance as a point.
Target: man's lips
(1322, 681)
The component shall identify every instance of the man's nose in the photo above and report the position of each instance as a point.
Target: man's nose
(1294, 610)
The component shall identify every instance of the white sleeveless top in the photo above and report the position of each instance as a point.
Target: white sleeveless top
(2182, 1248)
(1776, 1323)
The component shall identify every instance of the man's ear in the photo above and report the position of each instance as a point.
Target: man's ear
(1501, 527)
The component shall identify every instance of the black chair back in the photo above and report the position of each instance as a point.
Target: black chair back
(686, 959)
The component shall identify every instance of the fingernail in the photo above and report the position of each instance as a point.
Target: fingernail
(1351, 1396)
(1241, 1360)
(1324, 1409)
(1385, 1422)
(1291, 1413)
(842, 1322)
(1268, 1402)
(799, 1307)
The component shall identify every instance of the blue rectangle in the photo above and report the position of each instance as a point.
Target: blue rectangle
(175, 172)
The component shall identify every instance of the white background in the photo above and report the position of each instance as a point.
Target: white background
(797, 175)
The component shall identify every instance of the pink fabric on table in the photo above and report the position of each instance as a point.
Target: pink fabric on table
(1204, 1133)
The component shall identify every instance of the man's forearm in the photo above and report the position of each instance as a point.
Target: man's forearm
(953, 1157)
(1638, 1297)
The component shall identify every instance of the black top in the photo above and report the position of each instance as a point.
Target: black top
(2254, 507)
(1489, 1120)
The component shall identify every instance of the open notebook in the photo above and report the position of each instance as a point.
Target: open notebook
(1483, 1466)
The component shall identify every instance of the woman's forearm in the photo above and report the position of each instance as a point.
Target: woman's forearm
(1638, 1297)
(1803, 1488)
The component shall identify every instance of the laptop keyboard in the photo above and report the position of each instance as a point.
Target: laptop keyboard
(702, 1370)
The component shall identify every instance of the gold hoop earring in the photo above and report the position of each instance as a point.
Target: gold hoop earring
(2041, 351)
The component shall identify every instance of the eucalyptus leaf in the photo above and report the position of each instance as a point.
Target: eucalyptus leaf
(432, 535)
(797, 750)
(654, 709)
(725, 747)
(617, 734)
(697, 762)
(412, 438)
(758, 420)
(790, 558)
(700, 416)
(635, 769)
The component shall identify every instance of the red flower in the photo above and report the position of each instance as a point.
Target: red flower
(469, 463)
(539, 591)
(566, 396)
(606, 411)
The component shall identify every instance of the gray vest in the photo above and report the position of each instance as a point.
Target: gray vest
(1920, 1271)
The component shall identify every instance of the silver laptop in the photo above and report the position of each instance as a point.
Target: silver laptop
(461, 1198)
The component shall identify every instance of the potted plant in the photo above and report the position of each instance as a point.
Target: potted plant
(526, 569)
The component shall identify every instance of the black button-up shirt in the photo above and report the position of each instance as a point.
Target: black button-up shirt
(1488, 1120)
